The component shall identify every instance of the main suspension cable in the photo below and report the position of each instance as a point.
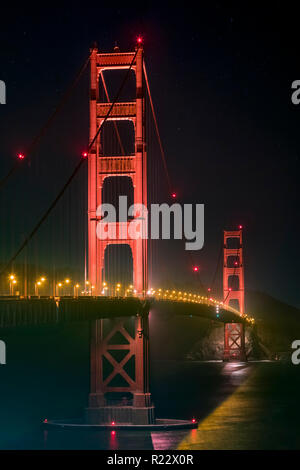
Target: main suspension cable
(217, 267)
(163, 156)
(70, 179)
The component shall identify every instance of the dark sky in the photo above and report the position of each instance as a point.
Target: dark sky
(221, 81)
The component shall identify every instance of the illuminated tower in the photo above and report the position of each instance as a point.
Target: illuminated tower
(101, 167)
(119, 390)
(233, 292)
(233, 269)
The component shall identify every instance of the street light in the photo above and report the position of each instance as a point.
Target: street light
(37, 284)
(118, 289)
(36, 287)
(67, 281)
(76, 287)
(12, 281)
(86, 288)
(105, 289)
(57, 288)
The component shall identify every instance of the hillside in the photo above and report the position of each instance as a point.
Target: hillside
(277, 323)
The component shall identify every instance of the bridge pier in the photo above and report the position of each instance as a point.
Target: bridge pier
(119, 390)
(234, 342)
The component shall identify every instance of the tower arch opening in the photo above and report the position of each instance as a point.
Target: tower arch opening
(118, 268)
(117, 138)
(232, 243)
(115, 186)
(234, 282)
(112, 81)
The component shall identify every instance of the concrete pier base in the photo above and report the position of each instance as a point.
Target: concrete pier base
(120, 414)
(158, 425)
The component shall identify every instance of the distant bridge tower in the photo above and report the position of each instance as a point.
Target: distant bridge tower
(233, 269)
(102, 166)
(233, 291)
(119, 390)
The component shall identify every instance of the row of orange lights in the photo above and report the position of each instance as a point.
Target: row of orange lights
(194, 298)
(160, 293)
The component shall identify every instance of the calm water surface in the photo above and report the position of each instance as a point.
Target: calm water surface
(239, 406)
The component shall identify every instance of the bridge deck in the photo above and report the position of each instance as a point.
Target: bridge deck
(16, 312)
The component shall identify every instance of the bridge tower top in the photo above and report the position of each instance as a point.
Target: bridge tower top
(103, 167)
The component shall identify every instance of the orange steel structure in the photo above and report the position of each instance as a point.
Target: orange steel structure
(100, 167)
(233, 269)
(119, 389)
(236, 268)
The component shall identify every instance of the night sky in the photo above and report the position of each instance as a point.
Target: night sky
(221, 81)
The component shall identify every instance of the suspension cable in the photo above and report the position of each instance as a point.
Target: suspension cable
(163, 156)
(47, 124)
(70, 179)
(217, 267)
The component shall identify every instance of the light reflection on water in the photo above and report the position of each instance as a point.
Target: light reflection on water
(238, 405)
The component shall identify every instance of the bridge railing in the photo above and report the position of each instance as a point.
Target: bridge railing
(158, 294)
(180, 296)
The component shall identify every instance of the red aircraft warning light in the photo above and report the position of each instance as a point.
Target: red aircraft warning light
(240, 227)
(196, 269)
(21, 156)
(174, 195)
(139, 40)
(84, 154)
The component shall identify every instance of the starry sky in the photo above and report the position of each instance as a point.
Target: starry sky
(221, 80)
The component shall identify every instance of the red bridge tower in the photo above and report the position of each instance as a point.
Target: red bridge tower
(119, 347)
(233, 292)
(101, 167)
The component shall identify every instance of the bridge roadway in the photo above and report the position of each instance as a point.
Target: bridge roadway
(16, 312)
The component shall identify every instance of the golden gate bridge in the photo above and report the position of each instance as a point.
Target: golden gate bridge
(118, 311)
